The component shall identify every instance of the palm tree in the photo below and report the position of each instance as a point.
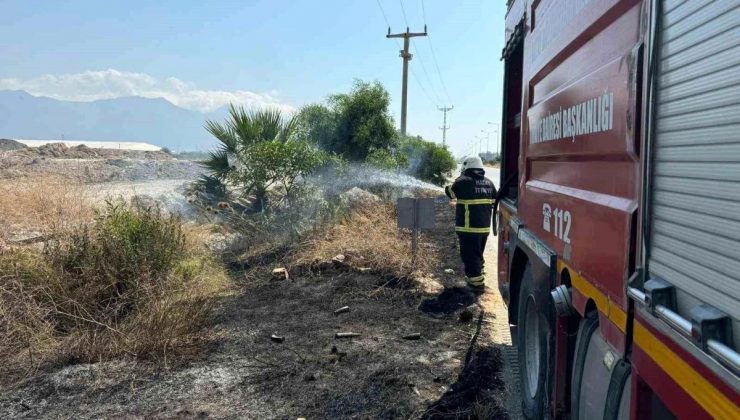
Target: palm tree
(242, 130)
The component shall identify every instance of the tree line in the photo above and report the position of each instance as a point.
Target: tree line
(264, 153)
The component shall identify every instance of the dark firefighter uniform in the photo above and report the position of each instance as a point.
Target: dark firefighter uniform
(475, 195)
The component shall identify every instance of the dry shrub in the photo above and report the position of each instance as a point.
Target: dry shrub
(371, 231)
(46, 204)
(125, 284)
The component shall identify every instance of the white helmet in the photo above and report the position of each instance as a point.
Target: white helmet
(472, 162)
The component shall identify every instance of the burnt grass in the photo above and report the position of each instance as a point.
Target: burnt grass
(449, 373)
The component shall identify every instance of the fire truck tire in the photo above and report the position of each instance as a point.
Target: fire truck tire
(533, 331)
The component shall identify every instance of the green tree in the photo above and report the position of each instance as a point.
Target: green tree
(317, 124)
(258, 152)
(392, 159)
(353, 124)
(428, 161)
(277, 165)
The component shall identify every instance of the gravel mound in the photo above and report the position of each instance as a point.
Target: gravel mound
(8, 145)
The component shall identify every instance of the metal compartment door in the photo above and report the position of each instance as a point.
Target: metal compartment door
(695, 233)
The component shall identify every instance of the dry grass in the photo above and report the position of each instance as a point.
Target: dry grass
(370, 232)
(44, 204)
(131, 283)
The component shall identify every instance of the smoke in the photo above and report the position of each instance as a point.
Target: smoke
(335, 181)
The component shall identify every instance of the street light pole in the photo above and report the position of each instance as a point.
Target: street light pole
(497, 138)
(480, 144)
(488, 140)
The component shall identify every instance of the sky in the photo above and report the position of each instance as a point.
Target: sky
(202, 54)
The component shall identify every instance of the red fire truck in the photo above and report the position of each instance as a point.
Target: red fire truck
(619, 228)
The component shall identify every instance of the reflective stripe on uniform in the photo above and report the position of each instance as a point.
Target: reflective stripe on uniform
(467, 203)
(450, 192)
(477, 281)
(472, 229)
(467, 216)
(476, 201)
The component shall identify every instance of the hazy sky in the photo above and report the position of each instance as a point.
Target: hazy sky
(202, 54)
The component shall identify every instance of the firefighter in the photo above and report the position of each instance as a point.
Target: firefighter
(475, 195)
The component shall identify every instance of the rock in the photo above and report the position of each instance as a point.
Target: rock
(449, 271)
(227, 243)
(340, 261)
(364, 270)
(356, 196)
(469, 313)
(277, 338)
(280, 274)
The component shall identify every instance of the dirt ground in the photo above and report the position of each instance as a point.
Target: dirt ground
(460, 367)
(88, 165)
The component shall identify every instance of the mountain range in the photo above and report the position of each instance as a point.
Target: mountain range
(151, 120)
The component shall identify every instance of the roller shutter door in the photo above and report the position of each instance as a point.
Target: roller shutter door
(695, 236)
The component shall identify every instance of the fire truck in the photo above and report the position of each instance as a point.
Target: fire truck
(619, 221)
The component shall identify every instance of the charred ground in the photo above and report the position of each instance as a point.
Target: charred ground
(452, 371)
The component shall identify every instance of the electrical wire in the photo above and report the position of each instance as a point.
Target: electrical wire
(434, 56)
(384, 15)
(403, 10)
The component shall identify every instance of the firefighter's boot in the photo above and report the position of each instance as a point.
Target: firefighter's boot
(477, 284)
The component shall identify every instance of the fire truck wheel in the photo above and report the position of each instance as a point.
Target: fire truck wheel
(533, 331)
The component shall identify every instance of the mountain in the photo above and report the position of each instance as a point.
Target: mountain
(155, 121)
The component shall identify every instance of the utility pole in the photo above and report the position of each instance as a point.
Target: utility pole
(445, 127)
(406, 58)
(488, 140)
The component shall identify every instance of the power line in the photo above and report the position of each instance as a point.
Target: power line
(384, 15)
(426, 94)
(403, 10)
(434, 56)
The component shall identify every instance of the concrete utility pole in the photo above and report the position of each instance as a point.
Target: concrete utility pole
(406, 58)
(445, 127)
